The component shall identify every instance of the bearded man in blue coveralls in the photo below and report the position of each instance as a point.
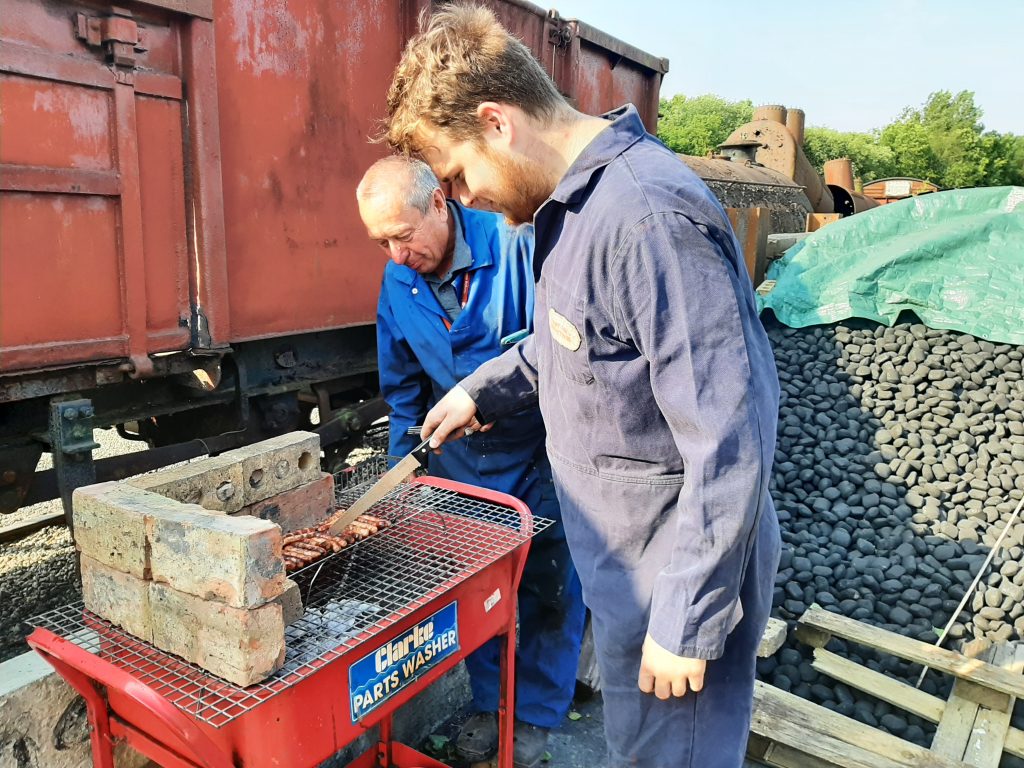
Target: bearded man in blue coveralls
(653, 373)
(458, 283)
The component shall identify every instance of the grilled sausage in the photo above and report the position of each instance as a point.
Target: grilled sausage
(315, 550)
(360, 526)
(295, 561)
(298, 536)
(327, 541)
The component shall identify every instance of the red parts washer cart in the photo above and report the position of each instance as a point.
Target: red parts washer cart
(383, 620)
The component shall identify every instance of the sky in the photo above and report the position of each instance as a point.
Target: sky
(851, 66)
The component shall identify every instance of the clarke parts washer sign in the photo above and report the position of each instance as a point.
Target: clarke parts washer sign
(378, 676)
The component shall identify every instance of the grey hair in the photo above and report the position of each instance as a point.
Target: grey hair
(401, 176)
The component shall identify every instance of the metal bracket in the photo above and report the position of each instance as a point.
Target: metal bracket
(560, 36)
(118, 33)
(71, 425)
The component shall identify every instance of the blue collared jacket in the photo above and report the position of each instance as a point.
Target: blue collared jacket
(420, 359)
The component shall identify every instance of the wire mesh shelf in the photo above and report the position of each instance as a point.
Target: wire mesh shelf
(351, 482)
(436, 539)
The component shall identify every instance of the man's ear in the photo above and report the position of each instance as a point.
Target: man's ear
(439, 203)
(497, 122)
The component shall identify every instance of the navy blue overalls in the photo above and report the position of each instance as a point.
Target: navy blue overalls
(420, 360)
(659, 393)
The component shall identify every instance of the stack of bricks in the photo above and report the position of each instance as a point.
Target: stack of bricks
(189, 558)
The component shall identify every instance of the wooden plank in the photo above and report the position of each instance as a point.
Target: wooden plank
(984, 696)
(1015, 738)
(1015, 742)
(985, 746)
(955, 664)
(878, 685)
(751, 227)
(821, 733)
(955, 727)
(785, 756)
(773, 638)
(816, 221)
(900, 694)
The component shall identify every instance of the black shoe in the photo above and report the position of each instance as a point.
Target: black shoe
(530, 745)
(478, 738)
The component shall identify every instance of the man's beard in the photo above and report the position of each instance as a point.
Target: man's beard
(523, 187)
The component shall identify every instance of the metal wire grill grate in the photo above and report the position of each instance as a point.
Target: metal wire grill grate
(437, 539)
(351, 483)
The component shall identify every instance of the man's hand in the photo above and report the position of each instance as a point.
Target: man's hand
(664, 674)
(453, 417)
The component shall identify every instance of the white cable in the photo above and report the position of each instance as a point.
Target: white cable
(974, 584)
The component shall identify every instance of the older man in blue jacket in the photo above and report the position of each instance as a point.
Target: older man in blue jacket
(459, 283)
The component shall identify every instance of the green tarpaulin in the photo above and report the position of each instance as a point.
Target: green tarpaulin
(955, 259)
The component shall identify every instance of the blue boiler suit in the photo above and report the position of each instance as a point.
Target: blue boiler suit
(420, 360)
(650, 363)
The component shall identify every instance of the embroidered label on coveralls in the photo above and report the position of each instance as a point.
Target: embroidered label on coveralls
(563, 331)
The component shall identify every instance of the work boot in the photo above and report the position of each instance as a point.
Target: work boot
(478, 738)
(530, 744)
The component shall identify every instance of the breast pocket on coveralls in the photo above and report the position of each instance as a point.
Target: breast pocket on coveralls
(566, 315)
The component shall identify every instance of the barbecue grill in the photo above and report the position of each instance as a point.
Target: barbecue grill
(383, 619)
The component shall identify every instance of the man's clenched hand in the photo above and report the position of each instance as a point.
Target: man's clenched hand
(664, 674)
(453, 417)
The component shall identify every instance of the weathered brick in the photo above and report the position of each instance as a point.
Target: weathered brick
(214, 483)
(277, 465)
(241, 477)
(233, 560)
(243, 646)
(291, 602)
(120, 598)
(110, 526)
(301, 507)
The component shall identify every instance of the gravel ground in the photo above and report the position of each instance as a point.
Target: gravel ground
(578, 743)
(38, 573)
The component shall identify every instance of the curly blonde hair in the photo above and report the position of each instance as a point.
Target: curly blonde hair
(461, 58)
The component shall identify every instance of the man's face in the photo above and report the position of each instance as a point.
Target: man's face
(416, 240)
(483, 177)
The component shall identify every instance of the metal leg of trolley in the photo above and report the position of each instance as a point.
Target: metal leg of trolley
(383, 621)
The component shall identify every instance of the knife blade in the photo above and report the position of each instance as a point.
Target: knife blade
(387, 482)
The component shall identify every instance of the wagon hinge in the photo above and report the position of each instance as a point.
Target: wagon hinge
(117, 33)
(559, 33)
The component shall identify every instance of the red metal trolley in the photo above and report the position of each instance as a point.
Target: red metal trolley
(383, 620)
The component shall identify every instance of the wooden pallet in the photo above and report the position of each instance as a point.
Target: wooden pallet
(973, 724)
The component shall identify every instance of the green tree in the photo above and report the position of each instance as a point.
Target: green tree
(1006, 158)
(942, 142)
(697, 125)
(871, 160)
(911, 149)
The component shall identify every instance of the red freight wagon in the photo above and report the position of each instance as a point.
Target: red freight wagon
(180, 249)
